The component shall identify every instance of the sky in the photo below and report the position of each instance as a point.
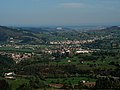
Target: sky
(59, 12)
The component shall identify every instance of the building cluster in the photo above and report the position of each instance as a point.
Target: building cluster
(17, 57)
(72, 42)
(66, 50)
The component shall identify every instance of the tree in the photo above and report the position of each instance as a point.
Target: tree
(24, 87)
(4, 85)
(67, 86)
(107, 83)
(37, 83)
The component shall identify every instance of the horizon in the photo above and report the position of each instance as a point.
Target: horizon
(63, 26)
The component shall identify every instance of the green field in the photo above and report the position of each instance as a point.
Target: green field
(73, 80)
(12, 49)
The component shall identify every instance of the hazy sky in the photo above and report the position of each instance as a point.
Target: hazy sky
(59, 12)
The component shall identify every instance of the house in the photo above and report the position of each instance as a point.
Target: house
(82, 51)
(69, 61)
(9, 75)
(56, 85)
(89, 84)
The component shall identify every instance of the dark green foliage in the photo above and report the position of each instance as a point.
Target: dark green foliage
(5, 63)
(37, 83)
(4, 60)
(24, 87)
(4, 85)
(107, 83)
(67, 86)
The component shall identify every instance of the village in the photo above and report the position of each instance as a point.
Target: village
(72, 42)
(72, 47)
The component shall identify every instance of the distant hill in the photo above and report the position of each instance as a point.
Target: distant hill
(36, 35)
(109, 29)
(45, 35)
(35, 30)
(10, 35)
(113, 28)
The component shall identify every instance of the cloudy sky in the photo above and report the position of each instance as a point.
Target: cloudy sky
(59, 12)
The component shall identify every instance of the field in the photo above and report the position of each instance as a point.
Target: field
(13, 49)
(72, 80)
